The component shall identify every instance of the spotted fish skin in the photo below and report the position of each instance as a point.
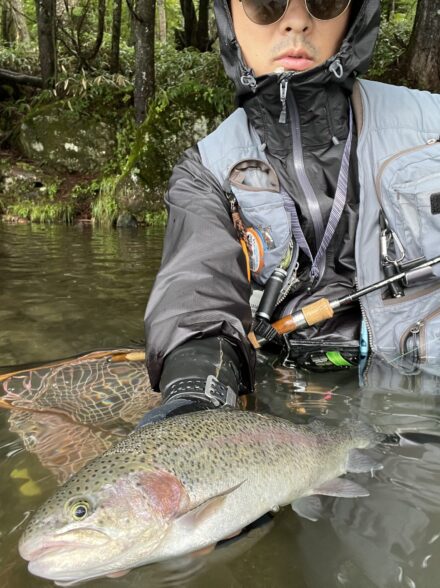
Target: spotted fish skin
(179, 485)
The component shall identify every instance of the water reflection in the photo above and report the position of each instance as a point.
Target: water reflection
(64, 291)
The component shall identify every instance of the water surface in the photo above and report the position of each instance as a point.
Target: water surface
(64, 290)
(67, 290)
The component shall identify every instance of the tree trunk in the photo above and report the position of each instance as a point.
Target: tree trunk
(143, 20)
(195, 31)
(162, 20)
(14, 26)
(116, 36)
(100, 33)
(46, 20)
(189, 23)
(421, 62)
(203, 43)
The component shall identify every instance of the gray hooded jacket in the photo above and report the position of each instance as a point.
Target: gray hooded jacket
(201, 290)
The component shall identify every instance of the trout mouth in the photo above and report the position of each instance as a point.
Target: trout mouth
(33, 550)
(57, 559)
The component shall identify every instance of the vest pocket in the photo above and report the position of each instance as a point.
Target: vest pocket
(263, 212)
(408, 188)
(420, 342)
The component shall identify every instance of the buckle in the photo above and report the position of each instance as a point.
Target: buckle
(218, 393)
(265, 331)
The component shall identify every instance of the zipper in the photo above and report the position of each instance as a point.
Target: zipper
(411, 347)
(416, 335)
(298, 163)
(298, 157)
(283, 98)
(371, 346)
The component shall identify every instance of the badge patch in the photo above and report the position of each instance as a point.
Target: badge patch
(256, 246)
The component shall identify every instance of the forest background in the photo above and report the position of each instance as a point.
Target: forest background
(98, 98)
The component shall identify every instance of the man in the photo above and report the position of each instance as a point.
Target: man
(280, 187)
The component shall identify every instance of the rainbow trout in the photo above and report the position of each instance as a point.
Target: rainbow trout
(180, 485)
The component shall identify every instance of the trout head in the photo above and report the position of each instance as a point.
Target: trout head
(86, 531)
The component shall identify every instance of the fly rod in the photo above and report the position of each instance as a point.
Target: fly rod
(324, 309)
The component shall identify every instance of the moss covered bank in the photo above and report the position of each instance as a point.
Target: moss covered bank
(75, 154)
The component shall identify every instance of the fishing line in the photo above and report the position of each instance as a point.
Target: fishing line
(432, 340)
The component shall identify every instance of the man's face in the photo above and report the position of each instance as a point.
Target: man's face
(297, 42)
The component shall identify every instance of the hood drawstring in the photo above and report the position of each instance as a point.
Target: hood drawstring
(336, 69)
(248, 80)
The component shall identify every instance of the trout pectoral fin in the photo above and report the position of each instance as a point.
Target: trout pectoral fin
(118, 574)
(308, 507)
(206, 509)
(341, 487)
(359, 462)
(204, 551)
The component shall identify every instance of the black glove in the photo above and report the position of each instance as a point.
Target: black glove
(200, 374)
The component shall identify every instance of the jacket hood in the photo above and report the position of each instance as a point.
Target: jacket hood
(352, 59)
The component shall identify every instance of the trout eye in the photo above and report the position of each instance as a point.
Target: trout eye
(79, 510)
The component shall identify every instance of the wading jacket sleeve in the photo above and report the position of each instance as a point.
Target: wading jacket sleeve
(201, 289)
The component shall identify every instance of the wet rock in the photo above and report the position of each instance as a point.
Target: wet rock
(130, 193)
(126, 221)
(21, 180)
(66, 140)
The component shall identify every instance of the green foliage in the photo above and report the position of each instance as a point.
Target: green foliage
(156, 219)
(105, 207)
(20, 57)
(126, 57)
(174, 17)
(193, 95)
(200, 75)
(40, 212)
(392, 41)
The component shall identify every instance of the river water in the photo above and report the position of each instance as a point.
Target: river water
(69, 290)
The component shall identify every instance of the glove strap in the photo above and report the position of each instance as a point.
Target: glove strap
(210, 389)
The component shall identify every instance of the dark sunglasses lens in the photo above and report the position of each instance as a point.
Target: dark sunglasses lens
(264, 12)
(326, 9)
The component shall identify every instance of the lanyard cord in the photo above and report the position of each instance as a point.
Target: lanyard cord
(338, 202)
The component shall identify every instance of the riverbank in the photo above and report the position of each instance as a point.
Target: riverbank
(76, 154)
(32, 193)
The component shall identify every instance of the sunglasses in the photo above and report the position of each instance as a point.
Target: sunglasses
(266, 12)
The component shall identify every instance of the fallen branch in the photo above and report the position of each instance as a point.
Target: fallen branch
(13, 77)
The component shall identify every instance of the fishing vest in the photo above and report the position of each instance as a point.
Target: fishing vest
(398, 153)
